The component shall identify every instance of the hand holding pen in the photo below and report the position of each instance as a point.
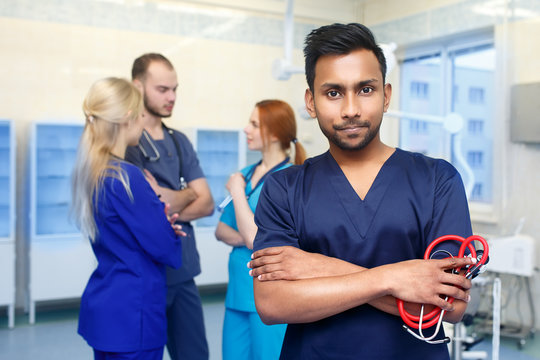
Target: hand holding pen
(236, 182)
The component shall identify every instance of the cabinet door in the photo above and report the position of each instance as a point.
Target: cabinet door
(56, 150)
(6, 180)
(218, 154)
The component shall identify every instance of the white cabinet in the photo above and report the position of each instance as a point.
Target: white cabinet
(7, 219)
(60, 260)
(220, 152)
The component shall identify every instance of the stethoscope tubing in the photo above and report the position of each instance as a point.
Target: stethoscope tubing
(433, 317)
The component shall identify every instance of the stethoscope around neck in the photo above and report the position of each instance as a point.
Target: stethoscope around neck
(435, 316)
(156, 155)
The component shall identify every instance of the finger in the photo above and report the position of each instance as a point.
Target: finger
(456, 280)
(167, 208)
(456, 293)
(265, 260)
(452, 263)
(266, 269)
(266, 252)
(173, 218)
(277, 275)
(443, 304)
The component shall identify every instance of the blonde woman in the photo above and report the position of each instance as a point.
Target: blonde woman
(122, 313)
(271, 130)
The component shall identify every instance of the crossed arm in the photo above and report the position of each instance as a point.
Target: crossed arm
(190, 203)
(294, 286)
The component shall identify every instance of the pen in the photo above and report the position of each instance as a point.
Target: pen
(224, 203)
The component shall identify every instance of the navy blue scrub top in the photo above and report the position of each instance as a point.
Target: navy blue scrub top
(413, 200)
(123, 304)
(167, 173)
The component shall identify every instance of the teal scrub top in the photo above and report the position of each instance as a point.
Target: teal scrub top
(240, 288)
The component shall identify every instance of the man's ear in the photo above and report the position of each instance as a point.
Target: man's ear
(387, 95)
(139, 85)
(310, 103)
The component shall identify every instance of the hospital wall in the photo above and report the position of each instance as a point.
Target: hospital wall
(223, 51)
(52, 51)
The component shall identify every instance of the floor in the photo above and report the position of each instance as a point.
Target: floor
(54, 336)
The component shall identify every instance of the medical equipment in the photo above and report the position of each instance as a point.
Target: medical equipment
(435, 316)
(145, 138)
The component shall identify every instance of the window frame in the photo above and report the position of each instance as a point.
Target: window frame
(481, 212)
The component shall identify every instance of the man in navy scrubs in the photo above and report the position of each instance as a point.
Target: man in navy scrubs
(172, 168)
(336, 235)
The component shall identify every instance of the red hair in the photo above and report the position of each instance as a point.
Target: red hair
(277, 119)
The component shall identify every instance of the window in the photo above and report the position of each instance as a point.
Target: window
(419, 90)
(440, 72)
(476, 95)
(475, 126)
(418, 126)
(475, 159)
(476, 192)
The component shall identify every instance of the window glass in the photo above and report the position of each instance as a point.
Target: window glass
(432, 85)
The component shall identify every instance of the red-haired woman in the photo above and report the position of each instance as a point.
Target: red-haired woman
(271, 130)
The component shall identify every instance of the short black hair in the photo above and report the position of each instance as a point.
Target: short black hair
(339, 39)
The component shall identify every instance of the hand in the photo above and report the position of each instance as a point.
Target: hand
(291, 263)
(236, 183)
(427, 281)
(152, 181)
(172, 220)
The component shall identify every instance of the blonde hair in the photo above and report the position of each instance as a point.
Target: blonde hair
(110, 102)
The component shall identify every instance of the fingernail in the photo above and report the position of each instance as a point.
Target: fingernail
(468, 298)
(249, 264)
(473, 260)
(252, 256)
(250, 272)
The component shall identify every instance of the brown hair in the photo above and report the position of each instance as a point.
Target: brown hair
(141, 64)
(277, 118)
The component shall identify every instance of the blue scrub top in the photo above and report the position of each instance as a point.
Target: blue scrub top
(167, 173)
(413, 200)
(240, 287)
(123, 305)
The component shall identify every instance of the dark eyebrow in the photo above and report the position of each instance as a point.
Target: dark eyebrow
(340, 87)
(328, 86)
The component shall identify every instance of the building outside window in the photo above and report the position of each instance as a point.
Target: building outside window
(445, 70)
(475, 126)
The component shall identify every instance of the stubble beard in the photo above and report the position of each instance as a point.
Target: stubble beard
(152, 110)
(342, 143)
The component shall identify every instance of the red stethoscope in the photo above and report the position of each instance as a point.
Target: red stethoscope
(435, 316)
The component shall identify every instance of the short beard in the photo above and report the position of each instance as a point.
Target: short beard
(152, 111)
(344, 145)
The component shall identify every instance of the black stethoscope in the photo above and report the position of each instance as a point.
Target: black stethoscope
(435, 316)
(247, 179)
(156, 155)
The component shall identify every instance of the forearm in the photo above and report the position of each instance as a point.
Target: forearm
(228, 235)
(314, 299)
(244, 220)
(202, 206)
(178, 199)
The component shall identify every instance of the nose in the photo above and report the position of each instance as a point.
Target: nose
(171, 96)
(246, 129)
(350, 107)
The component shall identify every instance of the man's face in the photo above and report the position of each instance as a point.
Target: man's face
(159, 90)
(349, 98)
